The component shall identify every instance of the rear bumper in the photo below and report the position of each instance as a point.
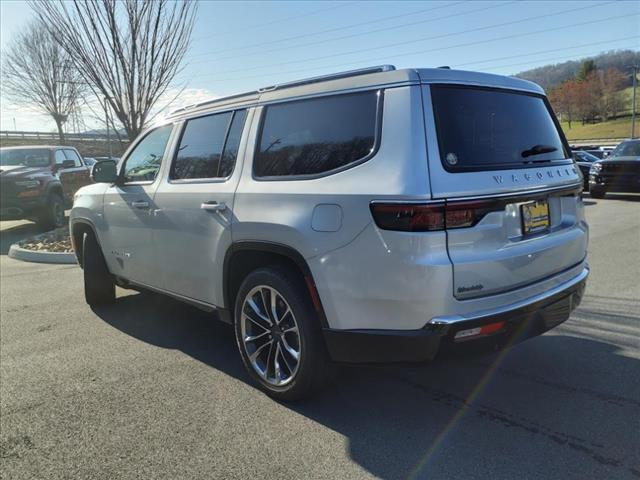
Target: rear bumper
(523, 319)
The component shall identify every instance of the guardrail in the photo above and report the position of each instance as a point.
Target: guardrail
(26, 135)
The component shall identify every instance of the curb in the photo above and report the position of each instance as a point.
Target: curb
(25, 255)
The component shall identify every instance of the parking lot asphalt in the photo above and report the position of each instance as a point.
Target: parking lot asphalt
(151, 388)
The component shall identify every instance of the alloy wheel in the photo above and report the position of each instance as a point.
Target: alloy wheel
(270, 335)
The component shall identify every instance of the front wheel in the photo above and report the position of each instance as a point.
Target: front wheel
(278, 334)
(52, 215)
(99, 287)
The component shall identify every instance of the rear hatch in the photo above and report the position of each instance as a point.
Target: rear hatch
(501, 165)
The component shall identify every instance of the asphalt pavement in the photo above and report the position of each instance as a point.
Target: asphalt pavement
(151, 388)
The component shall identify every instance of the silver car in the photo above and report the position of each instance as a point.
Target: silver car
(377, 215)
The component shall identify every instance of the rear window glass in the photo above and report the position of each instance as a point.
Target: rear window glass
(310, 137)
(482, 129)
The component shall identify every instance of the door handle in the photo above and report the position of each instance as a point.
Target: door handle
(139, 204)
(214, 206)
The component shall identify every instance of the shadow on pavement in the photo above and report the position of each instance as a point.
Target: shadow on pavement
(11, 235)
(405, 420)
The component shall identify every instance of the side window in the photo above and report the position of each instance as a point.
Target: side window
(200, 149)
(143, 163)
(60, 157)
(228, 161)
(314, 136)
(72, 155)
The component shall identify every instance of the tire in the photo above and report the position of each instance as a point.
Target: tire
(53, 214)
(312, 370)
(99, 287)
(596, 192)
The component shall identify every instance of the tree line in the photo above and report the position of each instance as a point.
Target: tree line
(593, 95)
(122, 55)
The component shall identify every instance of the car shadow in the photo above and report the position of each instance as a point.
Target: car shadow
(401, 421)
(628, 197)
(20, 231)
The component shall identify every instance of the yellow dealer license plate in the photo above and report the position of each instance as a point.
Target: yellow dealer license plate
(535, 217)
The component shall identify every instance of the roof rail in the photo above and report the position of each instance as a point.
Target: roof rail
(295, 83)
(332, 76)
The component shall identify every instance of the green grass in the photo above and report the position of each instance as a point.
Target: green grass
(618, 128)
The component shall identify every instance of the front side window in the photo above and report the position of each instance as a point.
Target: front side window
(60, 157)
(143, 163)
(483, 129)
(311, 137)
(72, 155)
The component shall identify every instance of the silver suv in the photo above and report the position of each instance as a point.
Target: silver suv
(377, 215)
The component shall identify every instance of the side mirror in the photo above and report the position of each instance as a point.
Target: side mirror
(104, 171)
(67, 164)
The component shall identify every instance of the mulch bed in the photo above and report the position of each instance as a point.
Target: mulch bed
(57, 240)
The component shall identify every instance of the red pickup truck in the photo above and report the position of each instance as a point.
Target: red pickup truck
(38, 182)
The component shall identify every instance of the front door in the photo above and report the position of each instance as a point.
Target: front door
(194, 206)
(129, 210)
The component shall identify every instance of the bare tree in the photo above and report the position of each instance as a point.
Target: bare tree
(38, 72)
(128, 51)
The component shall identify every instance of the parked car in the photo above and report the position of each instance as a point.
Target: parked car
(38, 183)
(619, 172)
(584, 160)
(378, 215)
(596, 152)
(89, 161)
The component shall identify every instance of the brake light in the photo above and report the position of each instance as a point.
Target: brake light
(409, 217)
(429, 217)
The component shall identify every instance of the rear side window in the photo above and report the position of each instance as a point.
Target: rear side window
(209, 147)
(311, 137)
(484, 129)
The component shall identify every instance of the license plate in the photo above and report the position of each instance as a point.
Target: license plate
(535, 217)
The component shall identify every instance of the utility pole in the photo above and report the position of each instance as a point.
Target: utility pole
(633, 108)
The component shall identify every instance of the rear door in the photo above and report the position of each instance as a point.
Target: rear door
(514, 210)
(194, 205)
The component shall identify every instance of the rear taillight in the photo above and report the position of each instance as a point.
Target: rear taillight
(429, 217)
(407, 217)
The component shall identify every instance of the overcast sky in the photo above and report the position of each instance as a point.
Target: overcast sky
(240, 46)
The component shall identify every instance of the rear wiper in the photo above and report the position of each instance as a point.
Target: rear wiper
(538, 150)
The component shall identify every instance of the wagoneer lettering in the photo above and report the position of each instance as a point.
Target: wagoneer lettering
(378, 215)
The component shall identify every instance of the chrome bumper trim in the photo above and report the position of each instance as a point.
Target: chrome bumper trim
(453, 319)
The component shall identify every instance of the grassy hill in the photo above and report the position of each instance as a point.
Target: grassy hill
(618, 128)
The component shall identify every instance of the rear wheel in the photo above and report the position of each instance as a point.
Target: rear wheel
(99, 287)
(597, 192)
(278, 334)
(52, 215)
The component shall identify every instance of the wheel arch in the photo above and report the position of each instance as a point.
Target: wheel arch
(245, 256)
(78, 228)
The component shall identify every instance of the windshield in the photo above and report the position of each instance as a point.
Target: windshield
(627, 149)
(28, 157)
(481, 128)
(581, 156)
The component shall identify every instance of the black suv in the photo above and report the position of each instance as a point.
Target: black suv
(619, 172)
(38, 182)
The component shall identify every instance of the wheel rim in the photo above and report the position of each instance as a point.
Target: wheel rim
(270, 335)
(58, 214)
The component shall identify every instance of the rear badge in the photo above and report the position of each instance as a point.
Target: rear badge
(451, 158)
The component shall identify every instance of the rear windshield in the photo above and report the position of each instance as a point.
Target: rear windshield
(627, 149)
(483, 129)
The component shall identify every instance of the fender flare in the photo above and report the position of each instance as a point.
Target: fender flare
(279, 249)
